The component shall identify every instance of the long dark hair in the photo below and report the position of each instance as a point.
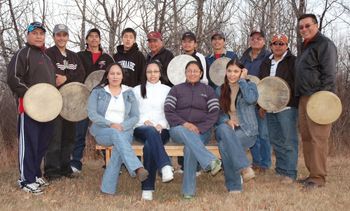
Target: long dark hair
(225, 96)
(144, 77)
(104, 80)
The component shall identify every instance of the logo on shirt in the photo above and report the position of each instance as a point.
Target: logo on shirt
(66, 66)
(127, 64)
(204, 95)
(101, 64)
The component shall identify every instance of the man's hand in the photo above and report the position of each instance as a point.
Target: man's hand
(117, 126)
(262, 113)
(60, 79)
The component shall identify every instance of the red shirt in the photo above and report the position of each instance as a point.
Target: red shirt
(95, 56)
(217, 55)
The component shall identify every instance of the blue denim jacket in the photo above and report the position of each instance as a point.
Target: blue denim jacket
(97, 106)
(245, 104)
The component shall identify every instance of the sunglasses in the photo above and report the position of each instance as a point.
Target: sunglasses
(279, 43)
(306, 26)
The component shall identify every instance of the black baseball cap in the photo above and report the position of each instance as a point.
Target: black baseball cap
(189, 35)
(93, 30)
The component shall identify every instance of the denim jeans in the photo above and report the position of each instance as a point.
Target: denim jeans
(194, 150)
(154, 154)
(284, 139)
(79, 145)
(122, 152)
(232, 146)
(261, 151)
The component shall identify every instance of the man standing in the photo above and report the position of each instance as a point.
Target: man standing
(315, 71)
(252, 59)
(68, 69)
(29, 66)
(93, 58)
(130, 58)
(218, 45)
(189, 46)
(282, 125)
(159, 53)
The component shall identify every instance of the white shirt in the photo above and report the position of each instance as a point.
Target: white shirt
(152, 107)
(116, 107)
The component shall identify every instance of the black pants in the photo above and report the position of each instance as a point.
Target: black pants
(57, 158)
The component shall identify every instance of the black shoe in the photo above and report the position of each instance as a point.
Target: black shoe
(52, 177)
(311, 185)
(303, 181)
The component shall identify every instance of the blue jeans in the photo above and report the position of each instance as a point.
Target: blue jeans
(79, 145)
(122, 152)
(154, 154)
(232, 146)
(194, 150)
(261, 151)
(284, 139)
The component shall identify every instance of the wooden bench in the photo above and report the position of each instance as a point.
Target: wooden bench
(172, 149)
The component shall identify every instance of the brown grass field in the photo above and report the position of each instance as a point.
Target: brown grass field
(263, 193)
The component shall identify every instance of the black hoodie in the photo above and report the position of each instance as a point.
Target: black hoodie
(133, 63)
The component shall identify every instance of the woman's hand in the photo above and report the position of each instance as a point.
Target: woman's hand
(117, 126)
(244, 73)
(262, 113)
(232, 123)
(148, 123)
(159, 128)
(191, 127)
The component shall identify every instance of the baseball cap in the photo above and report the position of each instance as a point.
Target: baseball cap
(154, 36)
(219, 34)
(35, 25)
(189, 35)
(257, 32)
(279, 38)
(93, 30)
(60, 28)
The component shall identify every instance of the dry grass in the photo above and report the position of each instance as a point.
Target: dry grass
(264, 193)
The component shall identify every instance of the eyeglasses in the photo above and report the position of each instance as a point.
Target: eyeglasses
(152, 72)
(306, 26)
(279, 43)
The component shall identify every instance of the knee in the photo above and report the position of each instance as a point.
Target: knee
(221, 131)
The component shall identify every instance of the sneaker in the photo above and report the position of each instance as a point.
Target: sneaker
(141, 174)
(247, 174)
(75, 170)
(198, 173)
(167, 173)
(188, 197)
(147, 195)
(41, 182)
(235, 192)
(286, 180)
(215, 167)
(32, 188)
(179, 171)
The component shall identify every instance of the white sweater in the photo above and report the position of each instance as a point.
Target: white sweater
(152, 107)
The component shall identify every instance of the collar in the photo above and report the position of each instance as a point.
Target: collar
(223, 54)
(284, 55)
(148, 84)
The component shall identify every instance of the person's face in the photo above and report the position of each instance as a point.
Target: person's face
(155, 45)
(233, 73)
(217, 43)
(307, 28)
(193, 73)
(256, 41)
(153, 73)
(61, 39)
(188, 45)
(36, 38)
(278, 48)
(115, 76)
(93, 40)
(128, 40)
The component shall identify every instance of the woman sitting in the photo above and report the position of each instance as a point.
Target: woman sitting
(237, 126)
(152, 128)
(112, 108)
(192, 109)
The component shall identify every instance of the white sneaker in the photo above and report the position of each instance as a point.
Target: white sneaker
(75, 170)
(147, 195)
(41, 182)
(198, 173)
(235, 192)
(32, 188)
(167, 173)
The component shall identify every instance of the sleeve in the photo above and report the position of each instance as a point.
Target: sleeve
(94, 116)
(213, 111)
(16, 71)
(249, 91)
(134, 114)
(170, 105)
(327, 57)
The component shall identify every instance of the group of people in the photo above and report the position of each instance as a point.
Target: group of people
(136, 100)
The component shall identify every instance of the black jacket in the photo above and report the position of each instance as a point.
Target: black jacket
(164, 56)
(285, 70)
(316, 66)
(29, 66)
(69, 65)
(133, 63)
(101, 63)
